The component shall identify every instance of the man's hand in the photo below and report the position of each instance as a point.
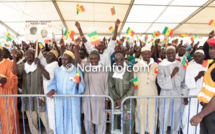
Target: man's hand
(117, 23)
(185, 101)
(14, 43)
(15, 53)
(195, 120)
(211, 34)
(77, 41)
(77, 24)
(175, 42)
(37, 61)
(106, 104)
(196, 45)
(157, 41)
(3, 80)
(201, 74)
(49, 94)
(119, 101)
(61, 43)
(175, 70)
(121, 41)
(41, 102)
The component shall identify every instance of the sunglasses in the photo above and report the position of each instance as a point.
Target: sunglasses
(119, 59)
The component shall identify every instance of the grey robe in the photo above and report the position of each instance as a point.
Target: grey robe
(32, 84)
(171, 87)
(96, 83)
(121, 88)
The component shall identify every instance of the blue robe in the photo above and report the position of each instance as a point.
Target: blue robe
(67, 109)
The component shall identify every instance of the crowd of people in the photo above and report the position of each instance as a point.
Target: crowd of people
(51, 71)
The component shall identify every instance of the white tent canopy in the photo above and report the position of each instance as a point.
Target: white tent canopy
(142, 16)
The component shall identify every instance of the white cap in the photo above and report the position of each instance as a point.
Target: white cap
(170, 47)
(199, 51)
(146, 48)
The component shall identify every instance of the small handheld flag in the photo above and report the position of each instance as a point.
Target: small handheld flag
(69, 33)
(77, 77)
(146, 37)
(183, 35)
(130, 32)
(94, 38)
(156, 70)
(193, 37)
(184, 62)
(112, 30)
(9, 37)
(167, 31)
(40, 45)
(80, 9)
(113, 11)
(135, 81)
(212, 23)
(156, 34)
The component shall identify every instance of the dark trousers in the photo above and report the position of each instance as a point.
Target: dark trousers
(207, 126)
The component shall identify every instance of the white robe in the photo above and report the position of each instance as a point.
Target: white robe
(50, 68)
(194, 89)
(105, 58)
(170, 87)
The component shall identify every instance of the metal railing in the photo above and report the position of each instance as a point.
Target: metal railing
(111, 110)
(161, 108)
(150, 110)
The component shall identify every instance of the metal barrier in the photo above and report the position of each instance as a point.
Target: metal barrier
(57, 98)
(155, 113)
(138, 114)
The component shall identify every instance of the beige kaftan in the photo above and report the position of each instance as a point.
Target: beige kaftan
(146, 87)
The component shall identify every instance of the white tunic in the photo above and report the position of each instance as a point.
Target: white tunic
(194, 89)
(105, 58)
(50, 102)
(169, 113)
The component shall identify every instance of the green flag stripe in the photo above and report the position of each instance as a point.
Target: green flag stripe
(92, 34)
(165, 30)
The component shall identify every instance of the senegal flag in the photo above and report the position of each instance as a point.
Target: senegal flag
(135, 81)
(69, 33)
(94, 38)
(212, 23)
(130, 32)
(80, 9)
(167, 31)
(113, 11)
(40, 45)
(184, 62)
(112, 30)
(77, 77)
(9, 37)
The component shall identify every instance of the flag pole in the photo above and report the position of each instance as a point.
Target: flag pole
(36, 51)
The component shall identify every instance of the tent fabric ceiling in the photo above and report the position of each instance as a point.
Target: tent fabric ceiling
(142, 16)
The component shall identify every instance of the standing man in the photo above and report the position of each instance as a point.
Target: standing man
(8, 85)
(96, 83)
(120, 86)
(206, 97)
(32, 84)
(68, 112)
(193, 80)
(146, 87)
(48, 75)
(170, 78)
